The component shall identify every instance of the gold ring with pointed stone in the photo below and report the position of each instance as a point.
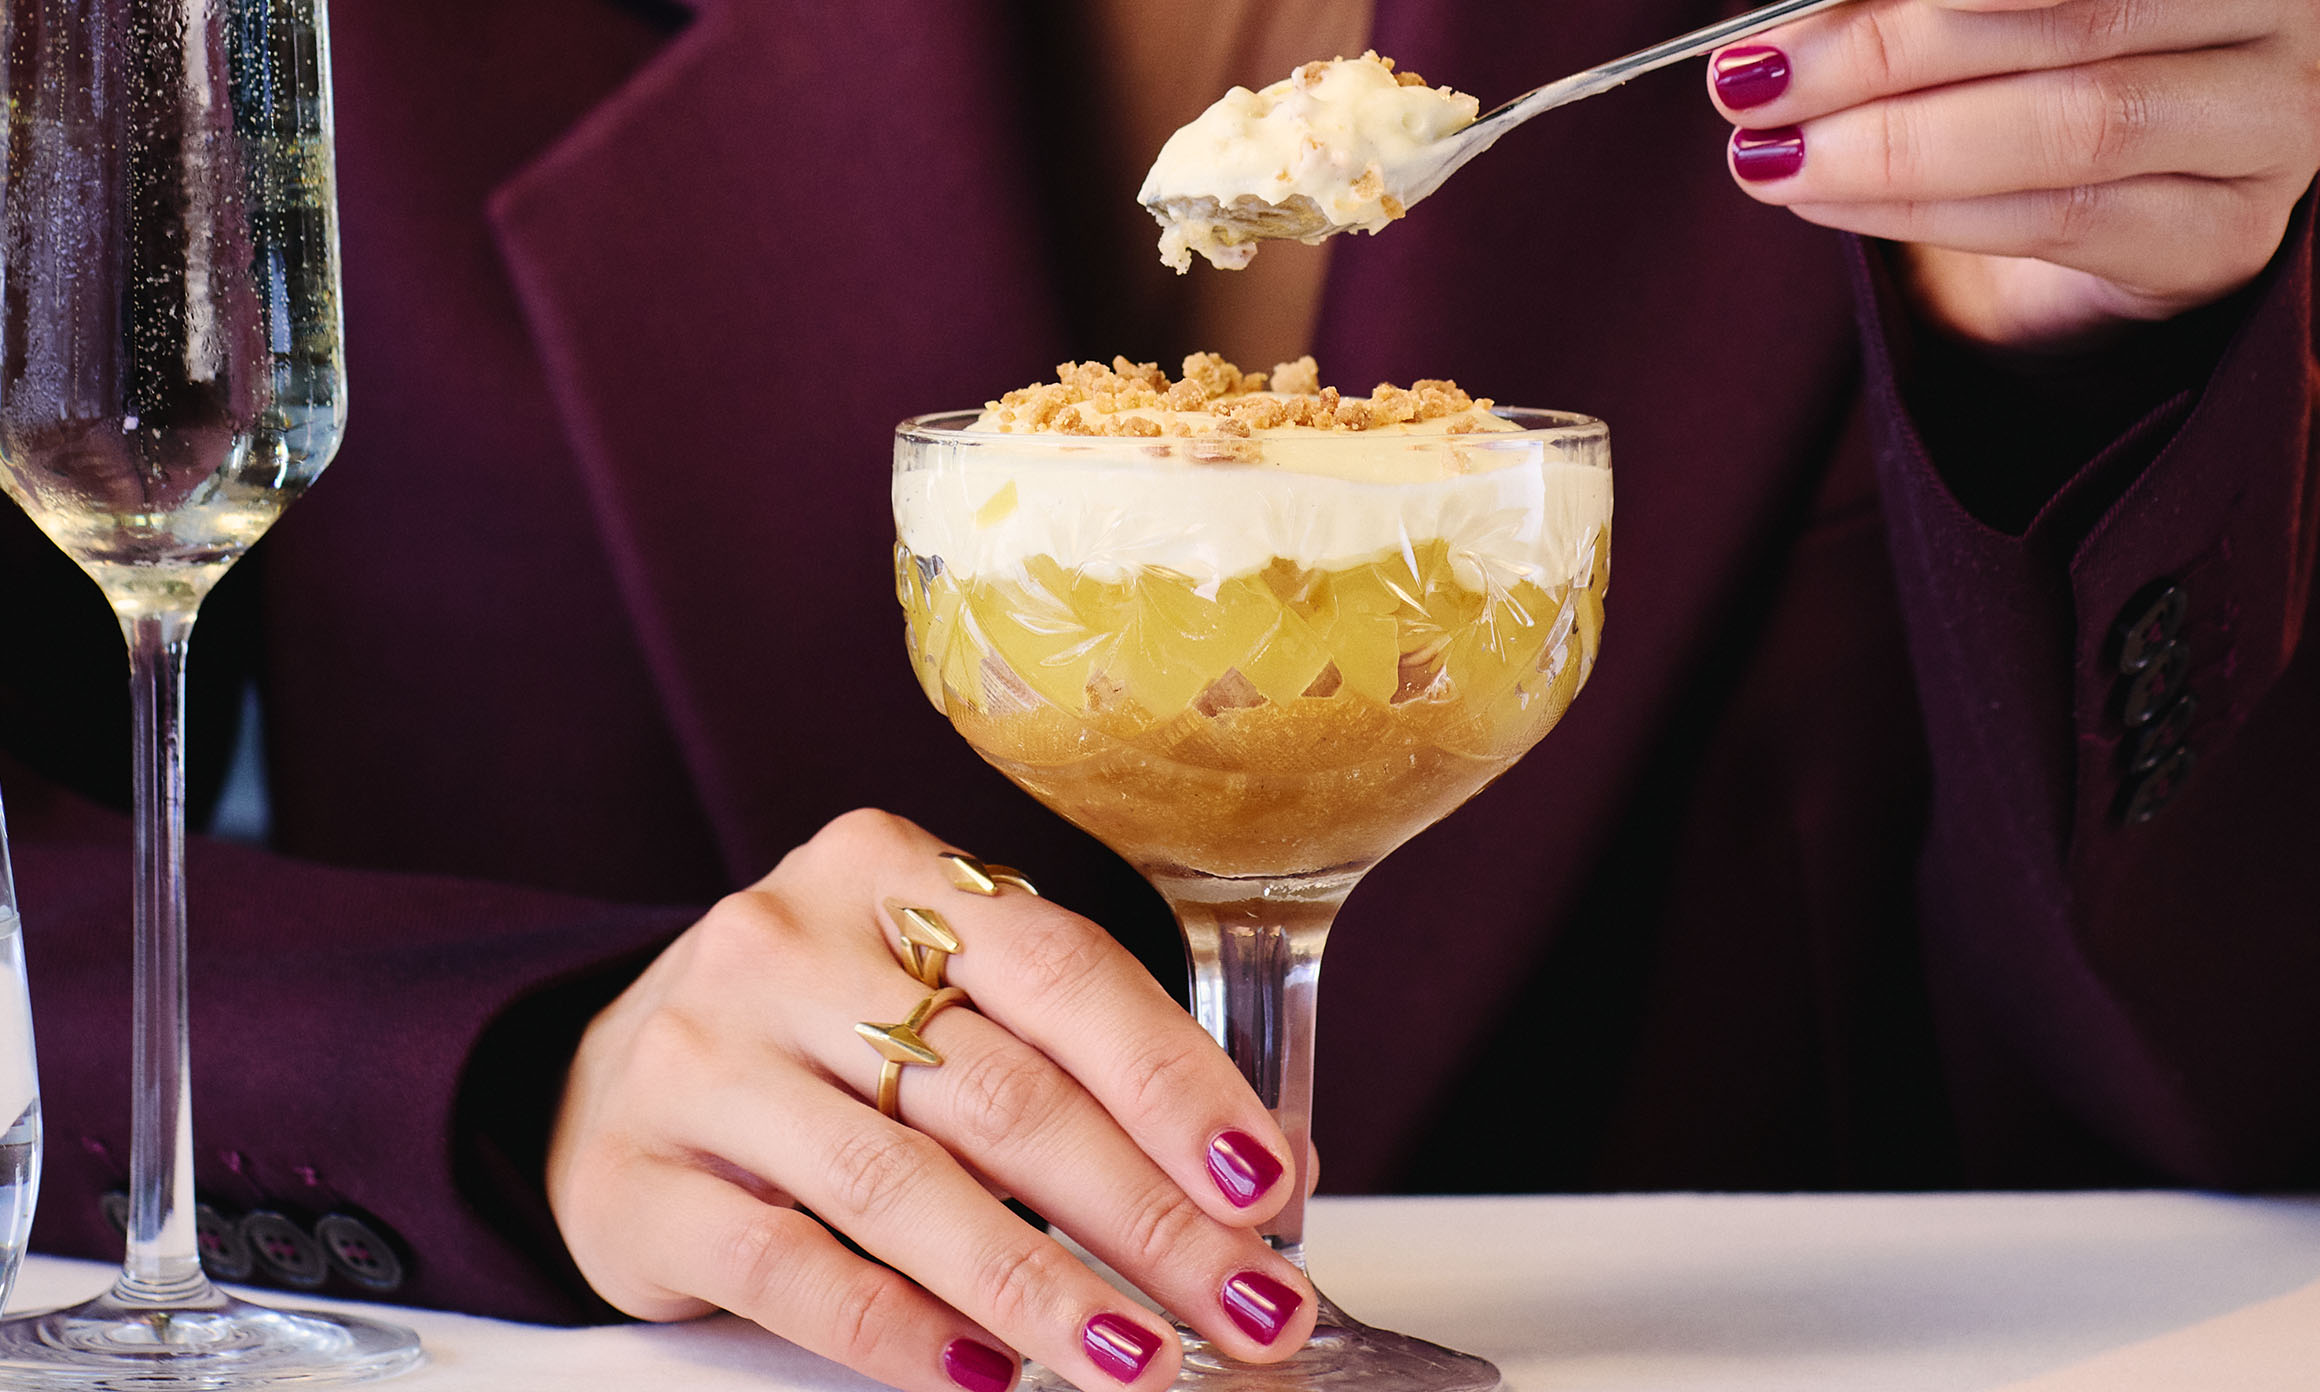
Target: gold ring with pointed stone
(928, 943)
(976, 877)
(900, 1046)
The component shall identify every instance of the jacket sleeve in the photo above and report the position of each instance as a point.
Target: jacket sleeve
(2120, 892)
(375, 1060)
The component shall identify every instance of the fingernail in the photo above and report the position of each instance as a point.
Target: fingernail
(1119, 1346)
(977, 1367)
(1761, 156)
(1260, 1305)
(1747, 77)
(1242, 1169)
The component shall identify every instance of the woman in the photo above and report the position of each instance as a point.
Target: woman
(1848, 870)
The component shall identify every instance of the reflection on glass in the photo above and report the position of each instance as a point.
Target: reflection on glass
(19, 1086)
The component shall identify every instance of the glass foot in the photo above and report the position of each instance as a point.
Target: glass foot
(212, 1342)
(1344, 1355)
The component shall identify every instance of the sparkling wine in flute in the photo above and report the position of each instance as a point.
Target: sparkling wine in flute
(171, 378)
(173, 375)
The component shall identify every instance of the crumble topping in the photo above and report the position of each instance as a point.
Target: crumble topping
(1214, 398)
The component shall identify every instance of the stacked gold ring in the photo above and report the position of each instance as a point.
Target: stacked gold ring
(928, 944)
(975, 877)
(900, 1045)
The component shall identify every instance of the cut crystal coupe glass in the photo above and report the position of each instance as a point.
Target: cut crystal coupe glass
(171, 379)
(1253, 680)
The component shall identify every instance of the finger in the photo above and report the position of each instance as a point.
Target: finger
(899, 1195)
(2107, 231)
(1891, 47)
(1064, 986)
(694, 1235)
(1068, 989)
(2080, 126)
(1024, 1122)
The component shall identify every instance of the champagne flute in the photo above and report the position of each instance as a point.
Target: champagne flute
(1253, 678)
(171, 378)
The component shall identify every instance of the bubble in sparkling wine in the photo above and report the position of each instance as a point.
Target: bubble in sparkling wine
(170, 369)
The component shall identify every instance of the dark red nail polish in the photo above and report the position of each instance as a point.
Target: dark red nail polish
(1242, 1169)
(1260, 1305)
(1120, 1347)
(1747, 77)
(977, 1367)
(1761, 156)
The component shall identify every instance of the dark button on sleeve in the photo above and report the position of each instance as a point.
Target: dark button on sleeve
(2149, 797)
(225, 1253)
(2155, 688)
(2147, 625)
(115, 1206)
(360, 1251)
(284, 1250)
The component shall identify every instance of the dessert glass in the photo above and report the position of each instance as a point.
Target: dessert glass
(1253, 679)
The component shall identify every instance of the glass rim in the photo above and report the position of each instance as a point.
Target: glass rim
(948, 427)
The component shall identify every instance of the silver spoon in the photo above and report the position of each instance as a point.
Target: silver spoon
(1249, 218)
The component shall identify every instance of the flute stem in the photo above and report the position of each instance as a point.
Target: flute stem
(163, 1265)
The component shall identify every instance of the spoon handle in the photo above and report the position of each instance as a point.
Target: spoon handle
(1495, 123)
(1451, 154)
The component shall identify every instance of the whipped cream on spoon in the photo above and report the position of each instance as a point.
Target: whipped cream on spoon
(1351, 144)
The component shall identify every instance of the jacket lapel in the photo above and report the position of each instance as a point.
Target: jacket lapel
(740, 272)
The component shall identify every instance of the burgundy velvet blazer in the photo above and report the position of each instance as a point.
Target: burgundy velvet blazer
(1833, 877)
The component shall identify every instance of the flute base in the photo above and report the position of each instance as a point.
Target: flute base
(1344, 1355)
(210, 1342)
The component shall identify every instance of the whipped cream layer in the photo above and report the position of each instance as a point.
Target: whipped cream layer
(1336, 144)
(1510, 506)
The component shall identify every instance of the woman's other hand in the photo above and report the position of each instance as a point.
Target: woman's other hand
(2055, 168)
(727, 1093)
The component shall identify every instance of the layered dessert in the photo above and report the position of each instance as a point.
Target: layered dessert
(1239, 624)
(1336, 146)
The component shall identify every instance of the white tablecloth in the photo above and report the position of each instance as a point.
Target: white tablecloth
(1944, 1293)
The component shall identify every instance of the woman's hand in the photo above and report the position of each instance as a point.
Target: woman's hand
(727, 1089)
(2056, 167)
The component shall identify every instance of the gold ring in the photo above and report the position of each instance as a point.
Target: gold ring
(928, 943)
(900, 1046)
(975, 877)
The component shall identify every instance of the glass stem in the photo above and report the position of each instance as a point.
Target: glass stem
(1256, 968)
(163, 1265)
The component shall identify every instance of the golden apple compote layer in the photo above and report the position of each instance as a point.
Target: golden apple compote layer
(1289, 720)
